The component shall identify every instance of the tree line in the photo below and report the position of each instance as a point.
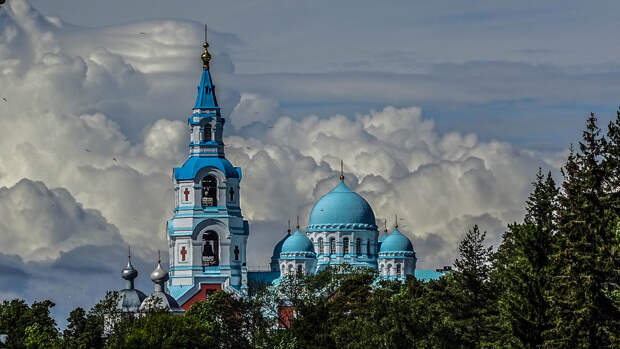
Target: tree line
(553, 282)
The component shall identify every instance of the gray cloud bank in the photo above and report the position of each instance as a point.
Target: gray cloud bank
(94, 120)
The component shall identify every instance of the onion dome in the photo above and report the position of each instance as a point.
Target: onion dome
(341, 209)
(159, 299)
(297, 244)
(129, 299)
(159, 274)
(395, 242)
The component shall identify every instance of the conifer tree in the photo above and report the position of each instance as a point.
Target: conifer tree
(584, 316)
(521, 267)
(472, 299)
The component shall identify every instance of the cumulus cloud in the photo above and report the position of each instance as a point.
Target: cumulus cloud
(98, 115)
(39, 223)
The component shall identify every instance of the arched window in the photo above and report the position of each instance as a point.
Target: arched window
(345, 246)
(398, 270)
(290, 269)
(299, 270)
(206, 133)
(388, 270)
(358, 246)
(209, 191)
(320, 245)
(211, 249)
(368, 247)
(231, 192)
(332, 246)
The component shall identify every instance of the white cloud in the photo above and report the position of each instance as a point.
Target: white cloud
(101, 113)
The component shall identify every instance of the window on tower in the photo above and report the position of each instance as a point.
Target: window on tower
(206, 133)
(211, 249)
(320, 243)
(368, 247)
(209, 191)
(299, 270)
(398, 270)
(358, 246)
(332, 246)
(345, 246)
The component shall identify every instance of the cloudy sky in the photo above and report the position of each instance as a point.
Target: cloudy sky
(442, 115)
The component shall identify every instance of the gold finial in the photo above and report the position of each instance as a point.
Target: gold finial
(206, 56)
(341, 170)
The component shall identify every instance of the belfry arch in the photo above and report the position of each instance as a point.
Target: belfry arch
(211, 249)
(209, 191)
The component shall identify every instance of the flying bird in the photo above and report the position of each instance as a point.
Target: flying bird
(114, 159)
(4, 99)
(87, 150)
(142, 33)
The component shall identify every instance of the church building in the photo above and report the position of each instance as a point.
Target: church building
(208, 235)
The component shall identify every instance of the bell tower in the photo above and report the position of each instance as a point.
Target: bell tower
(207, 234)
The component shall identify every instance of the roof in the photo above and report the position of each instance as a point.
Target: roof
(426, 275)
(341, 209)
(396, 242)
(129, 300)
(206, 93)
(297, 242)
(266, 277)
(194, 164)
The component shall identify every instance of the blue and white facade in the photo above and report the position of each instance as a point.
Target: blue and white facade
(207, 234)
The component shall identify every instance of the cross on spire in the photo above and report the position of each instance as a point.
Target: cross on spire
(298, 222)
(289, 226)
(395, 221)
(206, 56)
(341, 170)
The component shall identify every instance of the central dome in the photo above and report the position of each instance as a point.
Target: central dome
(341, 209)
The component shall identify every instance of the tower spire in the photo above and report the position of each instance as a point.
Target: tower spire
(341, 170)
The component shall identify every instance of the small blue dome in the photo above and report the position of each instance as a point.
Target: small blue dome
(340, 209)
(278, 248)
(396, 242)
(297, 242)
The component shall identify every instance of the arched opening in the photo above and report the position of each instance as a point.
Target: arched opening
(209, 191)
(300, 270)
(368, 247)
(358, 246)
(231, 192)
(206, 133)
(398, 270)
(332, 246)
(211, 249)
(320, 245)
(388, 270)
(345, 246)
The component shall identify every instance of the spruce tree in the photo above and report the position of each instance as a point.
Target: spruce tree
(521, 267)
(472, 298)
(583, 315)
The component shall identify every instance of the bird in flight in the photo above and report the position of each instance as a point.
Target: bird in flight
(4, 99)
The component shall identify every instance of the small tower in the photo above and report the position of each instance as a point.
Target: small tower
(297, 256)
(129, 299)
(396, 257)
(159, 298)
(207, 233)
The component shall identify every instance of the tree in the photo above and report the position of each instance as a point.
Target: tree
(472, 300)
(24, 325)
(585, 260)
(521, 266)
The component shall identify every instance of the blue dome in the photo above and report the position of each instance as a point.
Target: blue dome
(278, 248)
(396, 242)
(297, 242)
(341, 209)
